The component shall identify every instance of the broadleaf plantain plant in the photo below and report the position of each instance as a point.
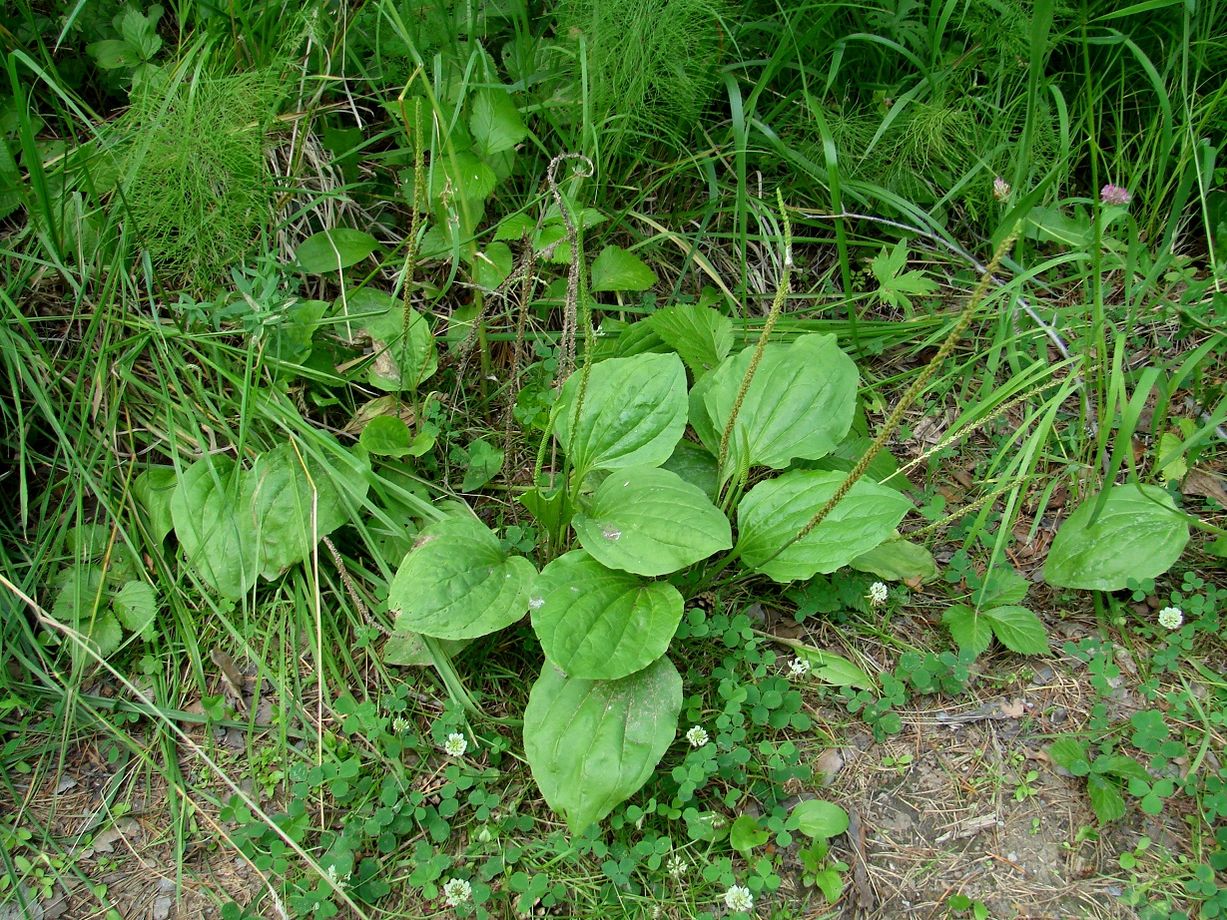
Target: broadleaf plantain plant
(605, 707)
(639, 503)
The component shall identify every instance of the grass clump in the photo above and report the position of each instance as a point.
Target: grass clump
(649, 65)
(196, 188)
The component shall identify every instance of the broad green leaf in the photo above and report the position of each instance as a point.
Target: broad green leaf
(971, 632)
(140, 30)
(404, 348)
(81, 596)
(834, 669)
(407, 650)
(600, 624)
(81, 604)
(1002, 586)
(461, 176)
(592, 744)
(1138, 534)
(114, 53)
(333, 250)
(495, 122)
(799, 405)
(633, 413)
(650, 521)
(775, 511)
(819, 820)
(694, 464)
(702, 336)
(549, 509)
(1018, 628)
(896, 560)
(492, 265)
(389, 436)
(291, 340)
(136, 605)
(830, 882)
(848, 453)
(746, 834)
(615, 269)
(1070, 753)
(485, 461)
(1121, 765)
(154, 488)
(458, 583)
(1106, 800)
(211, 510)
(295, 502)
(514, 227)
(1176, 467)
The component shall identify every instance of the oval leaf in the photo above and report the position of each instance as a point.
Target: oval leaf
(818, 819)
(970, 631)
(799, 405)
(896, 560)
(495, 122)
(294, 505)
(1138, 534)
(1018, 628)
(404, 348)
(592, 744)
(457, 583)
(209, 509)
(776, 510)
(651, 522)
(702, 336)
(633, 412)
(615, 269)
(334, 250)
(600, 624)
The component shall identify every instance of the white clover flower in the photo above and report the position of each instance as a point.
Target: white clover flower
(738, 898)
(798, 667)
(456, 891)
(1001, 189)
(455, 745)
(1171, 617)
(400, 725)
(697, 736)
(877, 594)
(677, 866)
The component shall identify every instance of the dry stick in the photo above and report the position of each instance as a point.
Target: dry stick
(917, 387)
(777, 306)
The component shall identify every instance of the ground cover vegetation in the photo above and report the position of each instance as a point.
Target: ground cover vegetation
(613, 459)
